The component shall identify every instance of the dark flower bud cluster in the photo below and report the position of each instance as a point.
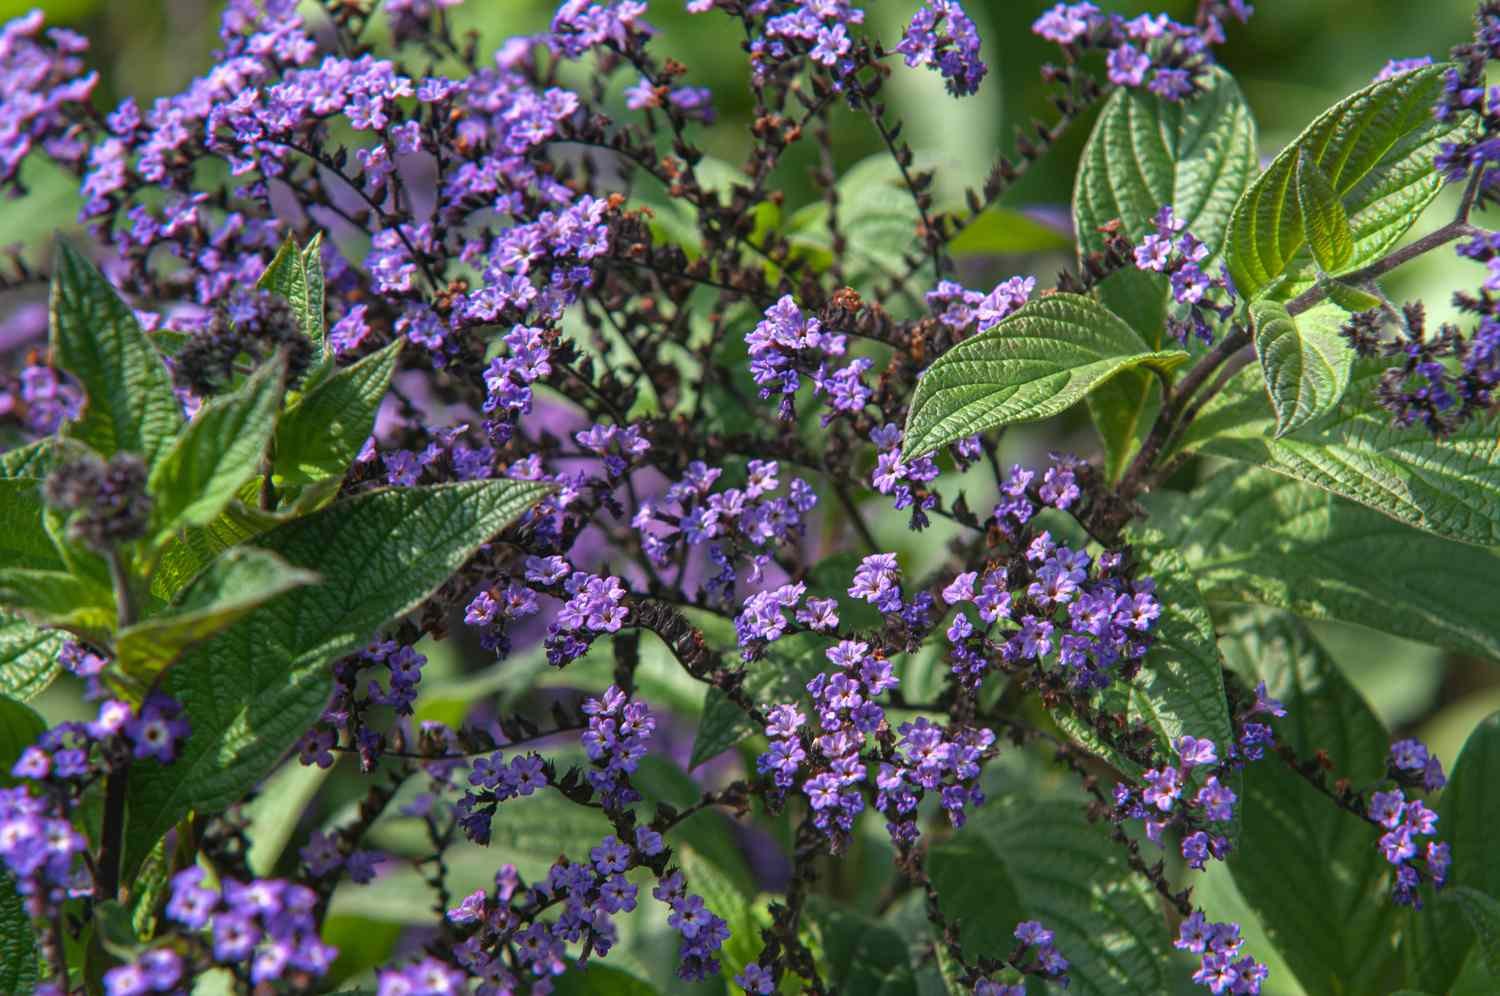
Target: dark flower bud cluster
(1150, 50)
(1173, 251)
(1442, 380)
(255, 326)
(107, 503)
(1466, 95)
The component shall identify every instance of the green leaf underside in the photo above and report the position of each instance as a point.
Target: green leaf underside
(296, 275)
(96, 338)
(320, 435)
(1440, 938)
(1325, 223)
(231, 586)
(1180, 689)
(1311, 872)
(1350, 298)
(219, 451)
(1038, 362)
(1257, 537)
(28, 657)
(1045, 861)
(1451, 487)
(1143, 152)
(1306, 363)
(1375, 149)
(250, 690)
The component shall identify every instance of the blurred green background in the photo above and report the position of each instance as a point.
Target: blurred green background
(1293, 59)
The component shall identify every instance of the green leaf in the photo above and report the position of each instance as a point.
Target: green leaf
(20, 726)
(57, 598)
(1038, 362)
(1306, 363)
(291, 277)
(250, 690)
(23, 531)
(288, 790)
(781, 676)
(28, 657)
(1375, 149)
(1483, 914)
(1311, 872)
(1439, 939)
(1350, 298)
(599, 978)
(1451, 487)
(999, 231)
(96, 338)
(232, 586)
(864, 955)
(322, 432)
(1253, 536)
(1323, 217)
(18, 947)
(1144, 152)
(31, 460)
(185, 558)
(1064, 871)
(219, 451)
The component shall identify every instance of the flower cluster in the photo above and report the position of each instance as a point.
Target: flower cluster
(40, 399)
(43, 88)
(1465, 95)
(959, 308)
(1404, 820)
(1150, 50)
(1220, 968)
(1213, 802)
(942, 36)
(821, 30)
(615, 740)
(1173, 251)
(787, 341)
(595, 605)
(267, 925)
(905, 480)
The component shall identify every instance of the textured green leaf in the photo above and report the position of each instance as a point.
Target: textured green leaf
(1306, 363)
(1376, 149)
(296, 275)
(1451, 487)
(20, 726)
(1038, 362)
(58, 598)
(1440, 939)
(790, 663)
(1483, 914)
(1350, 298)
(219, 451)
(1066, 872)
(232, 586)
(96, 338)
(185, 557)
(1324, 221)
(28, 657)
(1253, 536)
(31, 460)
(1144, 152)
(18, 947)
(999, 231)
(320, 435)
(23, 531)
(289, 790)
(1312, 873)
(250, 690)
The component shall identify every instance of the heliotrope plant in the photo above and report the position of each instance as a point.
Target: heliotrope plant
(399, 345)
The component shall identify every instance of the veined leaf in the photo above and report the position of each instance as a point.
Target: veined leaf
(1253, 536)
(1350, 298)
(219, 451)
(18, 947)
(1196, 155)
(1451, 487)
(789, 664)
(1310, 871)
(1064, 871)
(96, 338)
(233, 585)
(58, 598)
(297, 276)
(250, 690)
(1376, 149)
(1038, 362)
(1325, 223)
(322, 432)
(31, 460)
(1483, 914)
(185, 557)
(1306, 363)
(23, 530)
(1440, 939)
(28, 657)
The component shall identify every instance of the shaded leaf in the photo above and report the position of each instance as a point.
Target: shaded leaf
(1483, 914)
(23, 531)
(781, 676)
(18, 947)
(20, 726)
(28, 657)
(96, 338)
(1306, 363)
(1038, 362)
(250, 690)
(321, 433)
(57, 598)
